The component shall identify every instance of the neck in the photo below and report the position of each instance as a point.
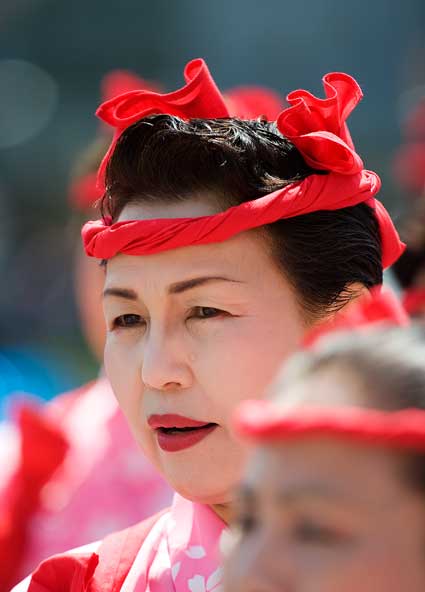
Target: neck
(223, 511)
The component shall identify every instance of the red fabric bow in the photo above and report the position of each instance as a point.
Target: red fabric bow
(317, 126)
(199, 98)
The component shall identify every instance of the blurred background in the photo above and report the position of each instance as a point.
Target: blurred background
(53, 55)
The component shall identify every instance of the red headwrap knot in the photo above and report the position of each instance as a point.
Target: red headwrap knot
(317, 126)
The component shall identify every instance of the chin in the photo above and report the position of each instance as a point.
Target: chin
(204, 490)
(206, 475)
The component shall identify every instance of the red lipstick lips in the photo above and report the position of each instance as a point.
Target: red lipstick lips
(176, 432)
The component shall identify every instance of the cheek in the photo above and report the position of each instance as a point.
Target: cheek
(240, 361)
(121, 366)
(123, 369)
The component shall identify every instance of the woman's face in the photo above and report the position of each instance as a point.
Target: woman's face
(190, 333)
(326, 515)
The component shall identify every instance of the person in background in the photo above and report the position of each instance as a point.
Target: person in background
(333, 497)
(409, 172)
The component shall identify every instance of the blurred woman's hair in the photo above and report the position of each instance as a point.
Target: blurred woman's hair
(387, 364)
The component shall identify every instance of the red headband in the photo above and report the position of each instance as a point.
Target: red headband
(315, 126)
(261, 420)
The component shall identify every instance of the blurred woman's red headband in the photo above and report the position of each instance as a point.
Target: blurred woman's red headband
(317, 127)
(262, 421)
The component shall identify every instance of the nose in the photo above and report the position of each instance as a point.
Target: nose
(165, 364)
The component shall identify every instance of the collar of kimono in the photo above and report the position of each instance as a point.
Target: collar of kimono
(262, 420)
(315, 126)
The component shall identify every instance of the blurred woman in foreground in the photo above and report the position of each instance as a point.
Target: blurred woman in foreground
(333, 500)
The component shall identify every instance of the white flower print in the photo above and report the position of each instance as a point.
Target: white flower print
(215, 579)
(197, 583)
(196, 552)
(175, 570)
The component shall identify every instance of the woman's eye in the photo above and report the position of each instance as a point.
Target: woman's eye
(313, 533)
(245, 523)
(128, 321)
(205, 312)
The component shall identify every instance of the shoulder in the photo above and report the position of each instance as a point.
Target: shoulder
(61, 567)
(22, 586)
(108, 560)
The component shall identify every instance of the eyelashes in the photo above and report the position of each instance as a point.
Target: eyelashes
(128, 321)
(206, 312)
(132, 321)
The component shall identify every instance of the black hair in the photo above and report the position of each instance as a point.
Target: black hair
(163, 158)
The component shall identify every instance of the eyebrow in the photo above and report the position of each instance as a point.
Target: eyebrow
(308, 491)
(176, 288)
(179, 287)
(288, 497)
(125, 293)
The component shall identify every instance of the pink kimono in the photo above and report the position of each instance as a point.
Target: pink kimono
(102, 482)
(178, 550)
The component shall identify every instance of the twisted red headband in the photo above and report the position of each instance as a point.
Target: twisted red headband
(315, 126)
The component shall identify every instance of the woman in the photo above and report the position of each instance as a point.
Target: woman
(223, 240)
(333, 499)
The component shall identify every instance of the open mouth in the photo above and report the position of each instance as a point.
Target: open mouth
(174, 432)
(177, 431)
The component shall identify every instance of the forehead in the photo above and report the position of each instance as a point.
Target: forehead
(327, 467)
(193, 207)
(333, 386)
(242, 257)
